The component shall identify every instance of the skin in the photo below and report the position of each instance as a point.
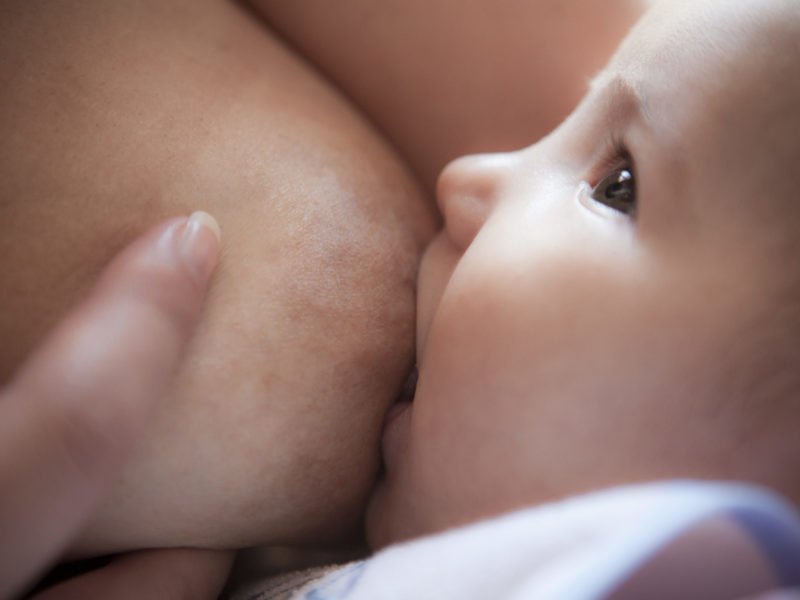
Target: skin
(564, 345)
(443, 78)
(117, 116)
(157, 574)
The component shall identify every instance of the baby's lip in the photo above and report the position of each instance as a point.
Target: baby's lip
(396, 422)
(410, 386)
(404, 399)
(435, 271)
(397, 409)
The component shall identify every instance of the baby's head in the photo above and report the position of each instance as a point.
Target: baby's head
(621, 301)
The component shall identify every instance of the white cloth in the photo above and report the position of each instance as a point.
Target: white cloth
(669, 539)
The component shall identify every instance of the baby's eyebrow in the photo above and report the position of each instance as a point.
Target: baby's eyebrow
(623, 99)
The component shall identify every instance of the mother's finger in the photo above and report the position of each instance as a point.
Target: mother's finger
(71, 414)
(169, 574)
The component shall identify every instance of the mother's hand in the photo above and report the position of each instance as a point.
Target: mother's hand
(73, 412)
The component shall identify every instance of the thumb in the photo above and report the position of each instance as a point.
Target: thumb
(70, 416)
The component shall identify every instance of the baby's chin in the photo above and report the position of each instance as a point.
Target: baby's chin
(389, 518)
(378, 529)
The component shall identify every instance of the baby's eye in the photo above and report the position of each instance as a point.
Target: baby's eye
(617, 190)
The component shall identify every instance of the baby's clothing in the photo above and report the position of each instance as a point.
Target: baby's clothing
(661, 540)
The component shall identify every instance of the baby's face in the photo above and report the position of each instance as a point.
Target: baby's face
(598, 302)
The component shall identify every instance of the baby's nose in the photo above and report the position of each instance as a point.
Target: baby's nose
(467, 190)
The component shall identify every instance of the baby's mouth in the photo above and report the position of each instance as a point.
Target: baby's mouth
(409, 387)
(404, 399)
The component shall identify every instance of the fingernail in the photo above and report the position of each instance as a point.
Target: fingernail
(199, 244)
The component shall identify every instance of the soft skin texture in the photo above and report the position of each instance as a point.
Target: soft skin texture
(116, 115)
(443, 78)
(564, 345)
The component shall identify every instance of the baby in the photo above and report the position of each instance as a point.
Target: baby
(615, 304)
(618, 302)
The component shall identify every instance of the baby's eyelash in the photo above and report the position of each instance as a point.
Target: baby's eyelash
(615, 154)
(612, 181)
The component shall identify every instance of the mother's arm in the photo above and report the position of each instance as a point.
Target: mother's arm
(444, 78)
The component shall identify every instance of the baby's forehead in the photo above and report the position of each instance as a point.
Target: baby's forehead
(700, 34)
(719, 79)
(714, 47)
